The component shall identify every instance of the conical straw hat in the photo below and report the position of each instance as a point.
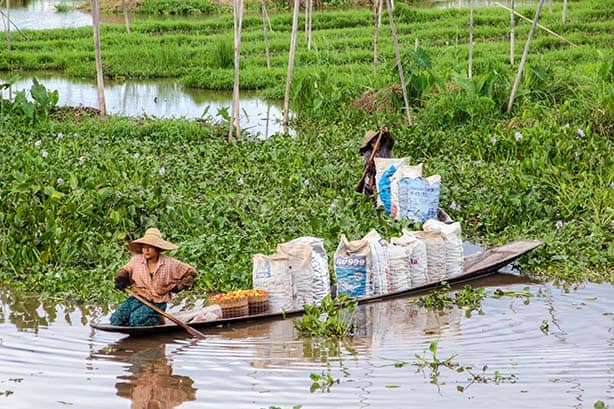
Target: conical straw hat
(153, 237)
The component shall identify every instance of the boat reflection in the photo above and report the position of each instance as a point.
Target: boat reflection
(150, 382)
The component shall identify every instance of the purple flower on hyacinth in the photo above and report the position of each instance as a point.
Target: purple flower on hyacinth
(60, 181)
(38, 143)
(306, 182)
(612, 185)
(240, 182)
(493, 140)
(518, 136)
(45, 154)
(136, 155)
(455, 206)
(580, 133)
(558, 224)
(60, 135)
(162, 171)
(81, 160)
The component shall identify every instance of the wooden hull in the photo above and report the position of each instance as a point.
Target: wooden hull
(475, 266)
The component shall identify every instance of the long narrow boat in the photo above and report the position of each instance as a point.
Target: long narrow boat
(475, 266)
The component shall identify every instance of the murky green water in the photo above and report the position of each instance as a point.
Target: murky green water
(161, 99)
(51, 358)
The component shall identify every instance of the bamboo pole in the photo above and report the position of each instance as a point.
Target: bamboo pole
(99, 76)
(523, 59)
(398, 58)
(14, 25)
(126, 17)
(297, 4)
(546, 29)
(308, 19)
(235, 119)
(470, 69)
(512, 34)
(564, 15)
(8, 25)
(377, 12)
(266, 35)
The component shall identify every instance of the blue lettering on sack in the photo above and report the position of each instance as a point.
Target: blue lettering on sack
(265, 270)
(351, 275)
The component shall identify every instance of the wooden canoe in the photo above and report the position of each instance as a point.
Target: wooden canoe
(475, 266)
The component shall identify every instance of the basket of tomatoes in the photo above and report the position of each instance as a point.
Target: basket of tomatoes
(233, 304)
(257, 301)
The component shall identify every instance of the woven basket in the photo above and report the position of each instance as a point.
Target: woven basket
(236, 307)
(258, 303)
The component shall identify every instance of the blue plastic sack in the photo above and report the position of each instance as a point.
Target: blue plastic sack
(384, 185)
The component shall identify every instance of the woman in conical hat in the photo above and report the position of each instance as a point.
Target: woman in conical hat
(153, 276)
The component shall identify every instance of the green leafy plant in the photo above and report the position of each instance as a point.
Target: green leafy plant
(332, 318)
(322, 382)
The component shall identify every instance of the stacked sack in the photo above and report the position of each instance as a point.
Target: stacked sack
(297, 274)
(374, 266)
(404, 192)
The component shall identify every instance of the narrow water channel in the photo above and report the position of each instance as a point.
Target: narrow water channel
(552, 349)
(162, 99)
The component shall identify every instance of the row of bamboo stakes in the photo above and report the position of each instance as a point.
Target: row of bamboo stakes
(238, 8)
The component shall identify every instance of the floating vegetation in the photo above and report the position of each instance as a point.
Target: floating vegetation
(434, 364)
(322, 382)
(332, 318)
(468, 298)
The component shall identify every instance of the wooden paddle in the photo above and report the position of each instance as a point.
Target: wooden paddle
(191, 331)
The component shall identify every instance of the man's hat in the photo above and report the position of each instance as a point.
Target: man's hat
(369, 136)
(152, 237)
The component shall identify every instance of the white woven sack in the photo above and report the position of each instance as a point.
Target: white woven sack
(271, 273)
(399, 267)
(414, 197)
(416, 256)
(435, 254)
(320, 286)
(380, 274)
(352, 261)
(382, 165)
(451, 234)
(299, 264)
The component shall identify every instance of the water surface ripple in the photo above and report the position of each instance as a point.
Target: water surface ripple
(553, 349)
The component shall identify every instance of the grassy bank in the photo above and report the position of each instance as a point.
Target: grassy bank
(74, 189)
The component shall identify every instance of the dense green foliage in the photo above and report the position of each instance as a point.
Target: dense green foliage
(74, 189)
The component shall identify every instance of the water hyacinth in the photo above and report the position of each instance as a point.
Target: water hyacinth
(162, 171)
(240, 181)
(38, 143)
(493, 140)
(558, 224)
(455, 206)
(136, 155)
(518, 136)
(60, 135)
(60, 181)
(306, 182)
(81, 160)
(45, 154)
(580, 133)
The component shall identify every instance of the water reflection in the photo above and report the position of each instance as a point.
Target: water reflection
(163, 99)
(150, 382)
(27, 312)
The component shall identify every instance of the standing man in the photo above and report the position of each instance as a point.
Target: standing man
(153, 276)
